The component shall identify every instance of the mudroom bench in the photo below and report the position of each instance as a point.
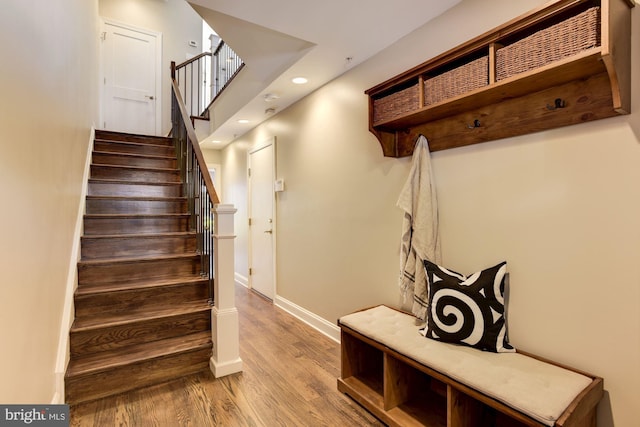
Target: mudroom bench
(405, 379)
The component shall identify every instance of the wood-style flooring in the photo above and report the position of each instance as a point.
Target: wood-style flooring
(289, 379)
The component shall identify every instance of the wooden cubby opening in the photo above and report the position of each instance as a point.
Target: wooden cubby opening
(363, 367)
(411, 395)
(465, 411)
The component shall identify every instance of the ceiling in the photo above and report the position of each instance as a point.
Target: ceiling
(282, 39)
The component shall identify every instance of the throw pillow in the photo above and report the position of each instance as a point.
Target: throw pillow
(467, 310)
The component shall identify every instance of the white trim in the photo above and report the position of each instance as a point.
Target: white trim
(257, 147)
(241, 280)
(72, 282)
(159, 73)
(227, 368)
(316, 322)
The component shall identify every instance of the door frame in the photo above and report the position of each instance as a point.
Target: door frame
(158, 68)
(257, 147)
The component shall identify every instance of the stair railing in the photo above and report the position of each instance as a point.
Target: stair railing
(197, 184)
(202, 78)
(194, 78)
(226, 65)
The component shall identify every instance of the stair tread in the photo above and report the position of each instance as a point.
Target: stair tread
(141, 236)
(87, 286)
(129, 182)
(128, 286)
(145, 144)
(104, 133)
(137, 258)
(139, 198)
(137, 215)
(111, 319)
(134, 155)
(137, 168)
(94, 363)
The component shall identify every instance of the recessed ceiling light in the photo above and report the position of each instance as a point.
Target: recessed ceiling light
(299, 80)
(243, 121)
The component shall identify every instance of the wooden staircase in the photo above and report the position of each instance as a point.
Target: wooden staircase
(141, 307)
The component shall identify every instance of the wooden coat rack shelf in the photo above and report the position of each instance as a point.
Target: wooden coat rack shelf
(564, 63)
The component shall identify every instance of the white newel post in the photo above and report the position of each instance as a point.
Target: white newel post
(224, 317)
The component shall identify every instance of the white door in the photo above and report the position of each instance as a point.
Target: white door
(131, 78)
(261, 219)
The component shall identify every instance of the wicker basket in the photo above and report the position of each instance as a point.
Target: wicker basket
(470, 76)
(571, 36)
(396, 104)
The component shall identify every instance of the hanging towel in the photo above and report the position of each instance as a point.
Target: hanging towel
(420, 234)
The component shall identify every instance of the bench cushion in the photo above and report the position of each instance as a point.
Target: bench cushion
(536, 388)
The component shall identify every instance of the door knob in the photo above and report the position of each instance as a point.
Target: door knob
(151, 97)
(268, 231)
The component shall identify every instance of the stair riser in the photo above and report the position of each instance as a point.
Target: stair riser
(127, 272)
(151, 298)
(97, 188)
(95, 248)
(112, 338)
(124, 160)
(133, 175)
(124, 206)
(131, 377)
(130, 148)
(141, 139)
(98, 226)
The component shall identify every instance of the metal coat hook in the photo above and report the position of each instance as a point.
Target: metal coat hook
(558, 103)
(476, 124)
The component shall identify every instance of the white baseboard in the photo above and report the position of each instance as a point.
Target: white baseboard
(62, 358)
(322, 325)
(58, 397)
(316, 322)
(241, 280)
(223, 369)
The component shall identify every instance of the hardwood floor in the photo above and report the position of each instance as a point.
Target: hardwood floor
(289, 379)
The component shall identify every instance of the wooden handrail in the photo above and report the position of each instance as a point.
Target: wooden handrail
(191, 134)
(194, 59)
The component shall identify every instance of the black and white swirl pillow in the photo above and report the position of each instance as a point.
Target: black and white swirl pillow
(467, 310)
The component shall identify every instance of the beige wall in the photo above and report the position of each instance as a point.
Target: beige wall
(562, 207)
(48, 105)
(212, 157)
(177, 22)
(234, 191)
